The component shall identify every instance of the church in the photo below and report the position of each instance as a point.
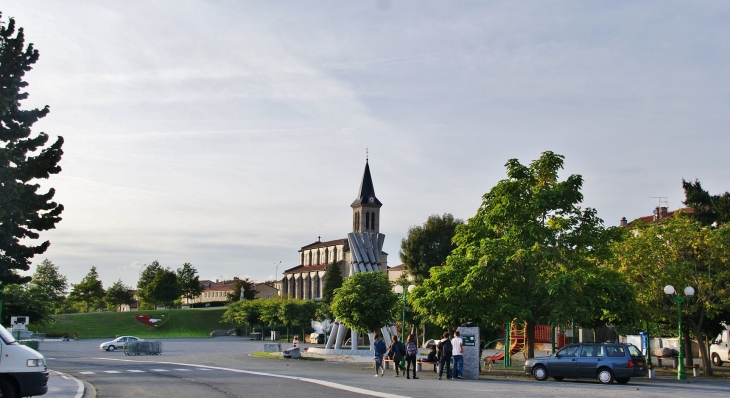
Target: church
(306, 280)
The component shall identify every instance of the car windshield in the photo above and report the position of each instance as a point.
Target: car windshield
(6, 336)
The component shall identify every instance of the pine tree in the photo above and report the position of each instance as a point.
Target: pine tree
(24, 159)
(332, 280)
(89, 292)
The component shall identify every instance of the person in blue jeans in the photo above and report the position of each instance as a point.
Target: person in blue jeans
(458, 355)
(380, 349)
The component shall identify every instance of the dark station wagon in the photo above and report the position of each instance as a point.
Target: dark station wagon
(603, 361)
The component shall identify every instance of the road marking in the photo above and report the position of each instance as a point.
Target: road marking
(158, 370)
(183, 370)
(136, 371)
(87, 373)
(112, 371)
(81, 389)
(305, 379)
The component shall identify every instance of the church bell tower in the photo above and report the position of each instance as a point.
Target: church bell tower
(366, 208)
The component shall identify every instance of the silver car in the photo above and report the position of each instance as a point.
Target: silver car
(119, 342)
(603, 361)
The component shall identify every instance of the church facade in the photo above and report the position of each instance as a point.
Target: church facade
(306, 280)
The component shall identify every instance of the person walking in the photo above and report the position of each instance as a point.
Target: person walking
(411, 354)
(445, 349)
(380, 350)
(399, 351)
(458, 349)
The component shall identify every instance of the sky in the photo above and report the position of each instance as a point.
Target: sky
(229, 134)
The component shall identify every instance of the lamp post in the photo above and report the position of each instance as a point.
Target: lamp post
(688, 292)
(404, 295)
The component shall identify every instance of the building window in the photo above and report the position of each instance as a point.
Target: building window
(334, 254)
(367, 221)
(301, 259)
(318, 257)
(310, 258)
(326, 256)
(372, 219)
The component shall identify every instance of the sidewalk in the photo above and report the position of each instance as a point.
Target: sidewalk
(61, 385)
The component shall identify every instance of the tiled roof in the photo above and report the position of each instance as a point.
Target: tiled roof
(316, 245)
(397, 268)
(652, 218)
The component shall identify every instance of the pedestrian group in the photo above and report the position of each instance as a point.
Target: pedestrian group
(444, 352)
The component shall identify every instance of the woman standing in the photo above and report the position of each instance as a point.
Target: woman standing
(399, 352)
(411, 354)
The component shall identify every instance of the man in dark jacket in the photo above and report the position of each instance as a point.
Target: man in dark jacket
(445, 350)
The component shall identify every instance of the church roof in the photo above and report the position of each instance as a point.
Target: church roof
(306, 268)
(318, 244)
(366, 190)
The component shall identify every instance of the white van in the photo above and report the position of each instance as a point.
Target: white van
(23, 371)
(719, 350)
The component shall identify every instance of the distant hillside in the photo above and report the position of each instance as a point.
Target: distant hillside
(174, 323)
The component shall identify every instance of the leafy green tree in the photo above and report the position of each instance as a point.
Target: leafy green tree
(679, 252)
(288, 313)
(117, 295)
(24, 159)
(187, 278)
(164, 288)
(307, 312)
(364, 300)
(20, 301)
(428, 245)
(89, 292)
(248, 286)
(49, 284)
(145, 279)
(526, 254)
(706, 208)
(246, 312)
(270, 311)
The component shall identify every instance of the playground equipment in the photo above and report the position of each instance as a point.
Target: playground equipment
(515, 340)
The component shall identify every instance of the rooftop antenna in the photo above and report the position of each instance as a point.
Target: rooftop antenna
(663, 200)
(367, 155)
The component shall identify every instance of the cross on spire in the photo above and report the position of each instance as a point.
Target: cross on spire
(319, 239)
(367, 154)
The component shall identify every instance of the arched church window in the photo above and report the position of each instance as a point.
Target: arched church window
(301, 260)
(357, 223)
(372, 219)
(318, 257)
(326, 256)
(334, 254)
(367, 221)
(310, 258)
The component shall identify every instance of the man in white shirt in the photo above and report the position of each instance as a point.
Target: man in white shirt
(458, 345)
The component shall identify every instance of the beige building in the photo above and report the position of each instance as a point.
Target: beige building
(305, 281)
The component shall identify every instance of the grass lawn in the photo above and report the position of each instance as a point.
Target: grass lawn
(191, 322)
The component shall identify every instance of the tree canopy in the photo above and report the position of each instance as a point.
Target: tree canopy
(706, 209)
(428, 245)
(24, 159)
(187, 278)
(527, 254)
(49, 284)
(364, 301)
(679, 252)
(89, 292)
(117, 295)
(248, 286)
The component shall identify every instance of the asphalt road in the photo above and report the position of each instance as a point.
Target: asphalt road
(221, 367)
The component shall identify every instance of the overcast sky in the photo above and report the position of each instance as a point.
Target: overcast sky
(230, 134)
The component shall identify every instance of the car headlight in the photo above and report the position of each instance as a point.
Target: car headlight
(32, 363)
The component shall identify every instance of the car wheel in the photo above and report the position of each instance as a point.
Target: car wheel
(605, 376)
(111, 348)
(559, 378)
(622, 380)
(6, 389)
(540, 373)
(716, 360)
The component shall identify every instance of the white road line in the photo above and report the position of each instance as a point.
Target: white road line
(183, 370)
(136, 371)
(87, 373)
(158, 370)
(81, 389)
(305, 379)
(112, 371)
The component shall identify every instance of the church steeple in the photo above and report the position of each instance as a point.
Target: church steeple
(366, 207)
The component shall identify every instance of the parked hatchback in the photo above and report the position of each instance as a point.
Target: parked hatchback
(119, 342)
(603, 361)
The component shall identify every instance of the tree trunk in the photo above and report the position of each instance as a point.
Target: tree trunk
(687, 340)
(704, 355)
(529, 339)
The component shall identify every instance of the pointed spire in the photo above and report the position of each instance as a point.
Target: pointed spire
(367, 190)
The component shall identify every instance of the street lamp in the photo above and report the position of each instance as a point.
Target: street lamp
(688, 292)
(404, 295)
